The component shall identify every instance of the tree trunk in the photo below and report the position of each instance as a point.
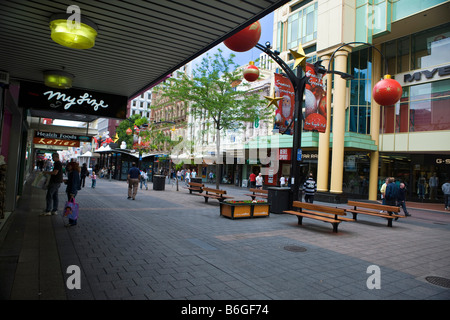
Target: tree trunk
(218, 159)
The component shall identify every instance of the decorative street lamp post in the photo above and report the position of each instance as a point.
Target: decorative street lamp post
(385, 91)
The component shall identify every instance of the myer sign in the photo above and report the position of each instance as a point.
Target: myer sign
(38, 96)
(423, 75)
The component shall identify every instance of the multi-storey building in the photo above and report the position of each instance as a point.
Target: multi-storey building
(366, 142)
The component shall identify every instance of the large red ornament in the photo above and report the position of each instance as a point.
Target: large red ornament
(245, 39)
(387, 91)
(129, 131)
(251, 72)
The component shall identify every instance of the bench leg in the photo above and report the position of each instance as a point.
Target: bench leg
(335, 227)
(389, 222)
(299, 220)
(354, 215)
(206, 199)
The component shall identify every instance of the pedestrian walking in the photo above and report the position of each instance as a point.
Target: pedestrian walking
(252, 180)
(133, 181)
(188, 177)
(391, 194)
(94, 179)
(144, 178)
(56, 178)
(383, 191)
(259, 181)
(73, 185)
(83, 174)
(446, 190)
(309, 188)
(401, 199)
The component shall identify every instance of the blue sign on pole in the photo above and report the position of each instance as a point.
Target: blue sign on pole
(299, 154)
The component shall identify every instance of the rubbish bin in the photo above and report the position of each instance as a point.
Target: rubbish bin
(159, 182)
(280, 199)
(196, 180)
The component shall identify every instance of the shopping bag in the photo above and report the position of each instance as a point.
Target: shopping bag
(71, 209)
(41, 181)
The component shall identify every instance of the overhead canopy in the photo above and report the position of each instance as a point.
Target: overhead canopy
(139, 43)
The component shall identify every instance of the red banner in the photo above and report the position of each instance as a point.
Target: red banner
(284, 115)
(315, 101)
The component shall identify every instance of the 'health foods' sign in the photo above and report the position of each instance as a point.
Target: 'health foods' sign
(78, 101)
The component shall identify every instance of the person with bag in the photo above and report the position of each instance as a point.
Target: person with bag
(73, 185)
(56, 177)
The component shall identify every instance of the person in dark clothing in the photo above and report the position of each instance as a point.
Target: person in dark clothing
(401, 198)
(56, 177)
(134, 175)
(391, 194)
(83, 174)
(73, 185)
(310, 188)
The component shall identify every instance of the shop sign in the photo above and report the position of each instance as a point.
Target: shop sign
(442, 161)
(58, 139)
(78, 101)
(424, 75)
(284, 154)
(56, 142)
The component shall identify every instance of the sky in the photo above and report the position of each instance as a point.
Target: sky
(243, 58)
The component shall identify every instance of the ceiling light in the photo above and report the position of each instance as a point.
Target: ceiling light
(58, 79)
(64, 32)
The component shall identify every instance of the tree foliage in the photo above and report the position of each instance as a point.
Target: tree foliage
(144, 136)
(216, 92)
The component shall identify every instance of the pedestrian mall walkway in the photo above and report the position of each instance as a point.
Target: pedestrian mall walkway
(171, 245)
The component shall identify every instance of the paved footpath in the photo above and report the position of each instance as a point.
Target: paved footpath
(170, 245)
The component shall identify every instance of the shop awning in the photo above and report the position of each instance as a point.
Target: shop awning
(139, 43)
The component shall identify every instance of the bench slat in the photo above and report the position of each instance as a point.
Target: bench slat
(315, 207)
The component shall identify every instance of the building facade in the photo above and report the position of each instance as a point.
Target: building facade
(365, 142)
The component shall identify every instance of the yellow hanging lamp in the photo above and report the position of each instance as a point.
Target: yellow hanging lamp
(73, 35)
(58, 79)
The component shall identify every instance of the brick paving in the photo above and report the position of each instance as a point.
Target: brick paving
(170, 245)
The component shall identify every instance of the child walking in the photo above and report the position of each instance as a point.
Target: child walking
(94, 179)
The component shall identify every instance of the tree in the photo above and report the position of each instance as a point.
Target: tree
(212, 91)
(144, 136)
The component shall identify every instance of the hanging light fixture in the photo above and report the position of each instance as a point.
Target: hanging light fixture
(58, 79)
(73, 35)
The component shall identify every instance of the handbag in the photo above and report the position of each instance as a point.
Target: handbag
(41, 181)
(71, 209)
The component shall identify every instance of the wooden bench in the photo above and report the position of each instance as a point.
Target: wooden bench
(374, 209)
(214, 194)
(318, 212)
(195, 186)
(258, 193)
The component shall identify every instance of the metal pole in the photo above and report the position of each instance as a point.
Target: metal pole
(297, 141)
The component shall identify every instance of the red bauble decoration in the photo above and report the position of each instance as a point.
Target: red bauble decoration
(245, 39)
(129, 131)
(387, 91)
(251, 72)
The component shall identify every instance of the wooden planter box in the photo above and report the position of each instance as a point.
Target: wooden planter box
(244, 209)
